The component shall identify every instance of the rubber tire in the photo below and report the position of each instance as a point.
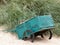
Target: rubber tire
(50, 34)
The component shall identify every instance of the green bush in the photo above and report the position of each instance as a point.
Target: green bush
(57, 29)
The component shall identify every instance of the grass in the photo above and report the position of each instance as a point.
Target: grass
(57, 29)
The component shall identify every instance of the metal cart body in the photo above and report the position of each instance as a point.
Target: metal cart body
(35, 24)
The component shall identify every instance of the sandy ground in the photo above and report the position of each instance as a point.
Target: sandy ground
(9, 39)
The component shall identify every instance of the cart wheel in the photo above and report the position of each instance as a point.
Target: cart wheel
(50, 34)
(42, 35)
(25, 35)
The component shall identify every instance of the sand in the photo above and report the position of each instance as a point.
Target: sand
(10, 39)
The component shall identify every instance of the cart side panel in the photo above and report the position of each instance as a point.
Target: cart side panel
(42, 22)
(45, 21)
(20, 30)
(32, 24)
